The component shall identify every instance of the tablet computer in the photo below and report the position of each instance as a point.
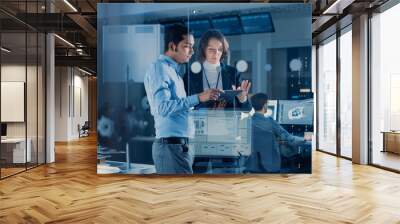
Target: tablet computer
(230, 94)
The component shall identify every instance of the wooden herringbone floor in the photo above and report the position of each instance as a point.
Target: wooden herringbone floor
(70, 191)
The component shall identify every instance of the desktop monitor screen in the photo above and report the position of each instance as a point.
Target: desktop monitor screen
(3, 129)
(221, 133)
(296, 112)
(272, 109)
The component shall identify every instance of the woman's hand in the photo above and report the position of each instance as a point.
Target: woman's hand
(245, 87)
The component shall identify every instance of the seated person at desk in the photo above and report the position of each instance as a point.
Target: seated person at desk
(213, 48)
(267, 136)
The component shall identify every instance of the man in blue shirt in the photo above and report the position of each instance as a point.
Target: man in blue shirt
(169, 104)
(267, 128)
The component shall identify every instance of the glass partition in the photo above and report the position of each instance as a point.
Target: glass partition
(346, 92)
(327, 95)
(22, 91)
(14, 151)
(385, 89)
(234, 80)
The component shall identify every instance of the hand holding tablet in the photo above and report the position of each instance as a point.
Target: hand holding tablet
(245, 87)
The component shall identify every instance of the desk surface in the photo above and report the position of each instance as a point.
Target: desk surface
(135, 168)
(391, 132)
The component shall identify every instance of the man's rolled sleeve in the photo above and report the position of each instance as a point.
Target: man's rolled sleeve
(193, 100)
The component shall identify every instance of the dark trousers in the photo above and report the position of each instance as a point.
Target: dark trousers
(172, 158)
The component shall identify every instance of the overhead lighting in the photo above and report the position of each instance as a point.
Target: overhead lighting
(84, 71)
(70, 5)
(5, 50)
(338, 6)
(80, 51)
(330, 8)
(65, 41)
(196, 11)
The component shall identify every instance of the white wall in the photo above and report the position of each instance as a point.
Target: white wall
(61, 103)
(13, 72)
(80, 84)
(10, 73)
(33, 126)
(70, 83)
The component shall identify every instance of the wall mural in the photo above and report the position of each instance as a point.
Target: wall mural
(204, 88)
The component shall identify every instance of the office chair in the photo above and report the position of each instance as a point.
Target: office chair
(265, 156)
(84, 130)
(299, 162)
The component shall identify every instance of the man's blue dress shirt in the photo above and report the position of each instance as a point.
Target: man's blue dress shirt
(167, 98)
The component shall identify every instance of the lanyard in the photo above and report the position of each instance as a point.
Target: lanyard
(208, 83)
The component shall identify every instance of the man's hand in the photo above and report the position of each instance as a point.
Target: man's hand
(209, 94)
(308, 137)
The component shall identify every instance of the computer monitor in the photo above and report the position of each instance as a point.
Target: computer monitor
(295, 112)
(220, 133)
(272, 107)
(3, 129)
